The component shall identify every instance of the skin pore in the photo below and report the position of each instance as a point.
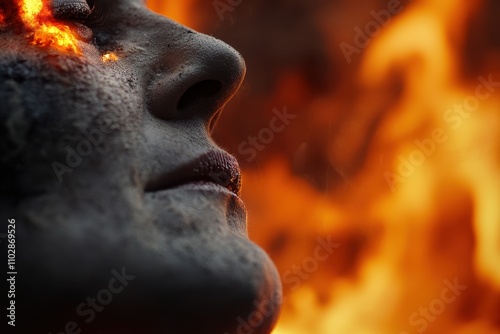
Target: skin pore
(83, 143)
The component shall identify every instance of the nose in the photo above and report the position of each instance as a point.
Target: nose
(195, 77)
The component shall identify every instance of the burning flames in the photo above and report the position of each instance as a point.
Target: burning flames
(45, 31)
(109, 57)
(412, 189)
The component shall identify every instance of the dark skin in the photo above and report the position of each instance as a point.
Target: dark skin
(150, 113)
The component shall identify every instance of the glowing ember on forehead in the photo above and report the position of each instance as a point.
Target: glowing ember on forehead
(109, 57)
(37, 17)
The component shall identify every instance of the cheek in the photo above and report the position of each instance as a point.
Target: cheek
(46, 108)
(63, 93)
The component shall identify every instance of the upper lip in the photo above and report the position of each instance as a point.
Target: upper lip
(215, 166)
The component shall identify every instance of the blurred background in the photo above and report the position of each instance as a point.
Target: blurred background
(369, 137)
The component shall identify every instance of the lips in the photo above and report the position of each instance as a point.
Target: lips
(215, 167)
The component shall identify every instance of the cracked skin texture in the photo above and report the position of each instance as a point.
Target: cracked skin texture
(195, 269)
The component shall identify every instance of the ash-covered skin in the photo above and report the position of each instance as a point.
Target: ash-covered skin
(195, 269)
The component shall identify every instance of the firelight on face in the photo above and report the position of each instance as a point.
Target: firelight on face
(109, 57)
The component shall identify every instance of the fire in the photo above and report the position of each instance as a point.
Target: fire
(412, 187)
(2, 18)
(109, 57)
(440, 223)
(45, 30)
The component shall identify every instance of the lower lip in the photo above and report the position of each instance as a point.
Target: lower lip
(209, 188)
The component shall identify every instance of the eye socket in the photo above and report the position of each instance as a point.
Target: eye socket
(81, 11)
(71, 10)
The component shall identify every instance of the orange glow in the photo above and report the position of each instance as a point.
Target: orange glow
(109, 57)
(2, 18)
(172, 9)
(45, 31)
(403, 237)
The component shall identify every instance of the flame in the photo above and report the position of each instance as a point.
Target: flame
(404, 240)
(45, 31)
(109, 57)
(440, 223)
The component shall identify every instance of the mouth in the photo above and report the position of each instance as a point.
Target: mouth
(215, 167)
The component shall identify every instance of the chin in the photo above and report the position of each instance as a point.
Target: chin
(193, 270)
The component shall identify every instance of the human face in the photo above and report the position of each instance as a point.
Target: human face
(108, 167)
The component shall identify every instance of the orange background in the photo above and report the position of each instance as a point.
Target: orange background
(393, 154)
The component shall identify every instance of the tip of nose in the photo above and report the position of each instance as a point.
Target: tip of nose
(208, 76)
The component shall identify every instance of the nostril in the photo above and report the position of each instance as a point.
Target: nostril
(200, 91)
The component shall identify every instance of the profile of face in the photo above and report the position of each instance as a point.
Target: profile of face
(127, 214)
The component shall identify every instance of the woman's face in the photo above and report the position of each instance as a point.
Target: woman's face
(108, 167)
